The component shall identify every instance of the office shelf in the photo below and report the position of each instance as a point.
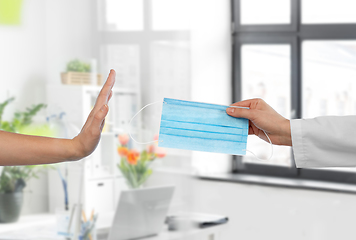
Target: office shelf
(102, 180)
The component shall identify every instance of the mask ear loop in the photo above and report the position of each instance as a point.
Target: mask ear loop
(129, 127)
(262, 160)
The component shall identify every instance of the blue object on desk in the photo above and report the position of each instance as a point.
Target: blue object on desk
(64, 183)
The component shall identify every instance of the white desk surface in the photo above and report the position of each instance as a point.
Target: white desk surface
(39, 226)
(43, 227)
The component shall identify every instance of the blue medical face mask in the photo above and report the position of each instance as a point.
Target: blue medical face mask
(201, 127)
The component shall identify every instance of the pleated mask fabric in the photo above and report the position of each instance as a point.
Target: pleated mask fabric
(201, 127)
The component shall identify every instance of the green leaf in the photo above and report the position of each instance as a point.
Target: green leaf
(145, 176)
(78, 66)
(2, 107)
(144, 156)
(11, 174)
(20, 119)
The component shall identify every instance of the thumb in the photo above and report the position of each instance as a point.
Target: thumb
(241, 112)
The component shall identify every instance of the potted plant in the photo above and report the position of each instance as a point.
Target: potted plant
(135, 166)
(13, 178)
(79, 73)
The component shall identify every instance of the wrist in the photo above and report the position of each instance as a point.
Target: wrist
(76, 151)
(286, 138)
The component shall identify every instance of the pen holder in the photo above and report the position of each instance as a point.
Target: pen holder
(88, 231)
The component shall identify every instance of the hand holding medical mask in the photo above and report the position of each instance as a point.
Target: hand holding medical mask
(263, 117)
(202, 127)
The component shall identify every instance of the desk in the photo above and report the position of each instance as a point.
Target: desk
(211, 233)
(39, 226)
(43, 227)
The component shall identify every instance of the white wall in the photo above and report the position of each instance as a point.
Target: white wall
(32, 55)
(68, 35)
(22, 59)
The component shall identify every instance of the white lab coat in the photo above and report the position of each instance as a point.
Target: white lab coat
(324, 141)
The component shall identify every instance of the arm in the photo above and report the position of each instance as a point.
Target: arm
(324, 141)
(319, 142)
(17, 149)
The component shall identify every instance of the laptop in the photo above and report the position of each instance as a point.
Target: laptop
(141, 213)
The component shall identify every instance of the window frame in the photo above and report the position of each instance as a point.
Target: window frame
(265, 27)
(293, 34)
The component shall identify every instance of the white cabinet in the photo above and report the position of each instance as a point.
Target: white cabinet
(102, 181)
(101, 191)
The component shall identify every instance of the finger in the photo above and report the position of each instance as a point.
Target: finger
(102, 125)
(110, 96)
(105, 91)
(103, 98)
(99, 117)
(109, 84)
(110, 81)
(241, 113)
(247, 103)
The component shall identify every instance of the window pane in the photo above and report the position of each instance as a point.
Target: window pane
(171, 69)
(329, 74)
(328, 11)
(171, 14)
(265, 12)
(125, 59)
(122, 15)
(170, 76)
(266, 74)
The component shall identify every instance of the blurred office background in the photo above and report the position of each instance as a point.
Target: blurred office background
(298, 55)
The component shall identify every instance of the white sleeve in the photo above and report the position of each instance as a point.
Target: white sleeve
(324, 141)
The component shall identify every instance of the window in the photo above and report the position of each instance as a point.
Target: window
(147, 42)
(305, 67)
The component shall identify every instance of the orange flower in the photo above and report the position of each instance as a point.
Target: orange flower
(160, 152)
(124, 139)
(132, 157)
(123, 151)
